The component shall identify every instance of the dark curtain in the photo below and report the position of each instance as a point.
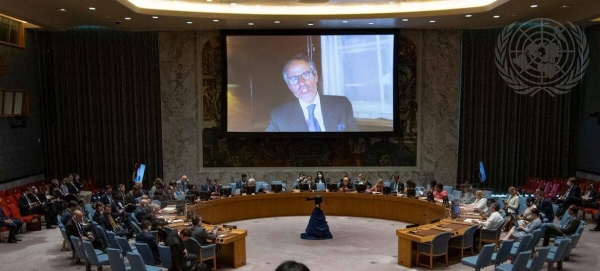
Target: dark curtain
(515, 135)
(100, 100)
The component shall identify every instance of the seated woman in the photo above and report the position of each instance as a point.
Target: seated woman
(363, 180)
(378, 187)
(512, 207)
(526, 217)
(517, 232)
(320, 177)
(480, 204)
(439, 192)
(411, 191)
(309, 181)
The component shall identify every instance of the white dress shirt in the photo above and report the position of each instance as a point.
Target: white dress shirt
(493, 222)
(318, 112)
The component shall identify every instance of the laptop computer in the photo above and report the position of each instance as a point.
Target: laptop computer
(304, 187)
(332, 187)
(225, 192)
(360, 188)
(387, 190)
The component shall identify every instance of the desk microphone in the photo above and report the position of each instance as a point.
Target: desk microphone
(419, 222)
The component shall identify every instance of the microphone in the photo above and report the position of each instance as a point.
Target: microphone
(418, 223)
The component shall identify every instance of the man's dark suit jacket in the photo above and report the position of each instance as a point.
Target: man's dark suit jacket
(66, 216)
(201, 235)
(337, 116)
(24, 205)
(71, 229)
(177, 247)
(148, 238)
(571, 227)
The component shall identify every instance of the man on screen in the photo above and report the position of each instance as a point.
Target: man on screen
(312, 112)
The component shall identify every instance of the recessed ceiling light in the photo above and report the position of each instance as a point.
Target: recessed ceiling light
(61, 9)
(277, 22)
(533, 6)
(565, 6)
(468, 15)
(496, 16)
(405, 20)
(432, 21)
(250, 23)
(310, 23)
(208, 0)
(215, 20)
(154, 17)
(92, 8)
(344, 22)
(127, 18)
(189, 22)
(371, 23)
(233, 4)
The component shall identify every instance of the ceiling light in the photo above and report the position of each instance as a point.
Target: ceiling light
(215, 20)
(432, 21)
(250, 23)
(405, 20)
(61, 9)
(189, 22)
(208, 0)
(310, 23)
(496, 16)
(392, 2)
(277, 22)
(371, 23)
(92, 8)
(154, 17)
(565, 6)
(127, 18)
(533, 6)
(468, 15)
(344, 22)
(233, 4)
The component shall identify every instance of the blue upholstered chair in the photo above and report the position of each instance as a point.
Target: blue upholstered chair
(78, 249)
(94, 258)
(101, 233)
(165, 256)
(204, 253)
(144, 250)
(538, 260)
(135, 227)
(519, 265)
(573, 238)
(491, 235)
(519, 247)
(125, 246)
(112, 240)
(137, 263)
(116, 262)
(465, 241)
(449, 189)
(503, 253)
(482, 260)
(437, 247)
(556, 252)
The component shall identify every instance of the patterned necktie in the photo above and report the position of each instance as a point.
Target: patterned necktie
(313, 124)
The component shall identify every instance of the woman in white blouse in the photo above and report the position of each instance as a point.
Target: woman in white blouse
(480, 204)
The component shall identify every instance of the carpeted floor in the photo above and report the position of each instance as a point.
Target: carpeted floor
(358, 244)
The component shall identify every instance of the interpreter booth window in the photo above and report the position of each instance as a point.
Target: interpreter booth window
(13, 102)
(345, 60)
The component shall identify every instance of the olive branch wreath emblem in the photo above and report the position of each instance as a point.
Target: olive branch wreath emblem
(522, 87)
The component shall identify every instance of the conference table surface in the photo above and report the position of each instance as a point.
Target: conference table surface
(388, 207)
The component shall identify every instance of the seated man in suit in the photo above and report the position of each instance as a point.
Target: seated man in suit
(311, 112)
(29, 203)
(143, 211)
(148, 238)
(242, 183)
(13, 225)
(208, 186)
(179, 257)
(68, 213)
(570, 227)
(200, 234)
(345, 185)
(108, 223)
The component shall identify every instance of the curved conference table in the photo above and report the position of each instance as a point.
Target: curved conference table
(334, 203)
(340, 204)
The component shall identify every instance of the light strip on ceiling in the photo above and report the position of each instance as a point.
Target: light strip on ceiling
(317, 9)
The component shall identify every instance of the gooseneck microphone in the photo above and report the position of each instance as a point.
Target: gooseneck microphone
(419, 223)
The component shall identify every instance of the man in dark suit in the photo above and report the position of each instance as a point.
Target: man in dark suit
(572, 196)
(108, 223)
(147, 238)
(179, 258)
(68, 213)
(13, 225)
(569, 228)
(200, 234)
(208, 186)
(29, 203)
(312, 112)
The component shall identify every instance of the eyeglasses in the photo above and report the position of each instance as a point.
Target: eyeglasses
(294, 79)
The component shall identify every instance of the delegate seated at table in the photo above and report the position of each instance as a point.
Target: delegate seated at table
(480, 204)
(345, 185)
(378, 187)
(439, 192)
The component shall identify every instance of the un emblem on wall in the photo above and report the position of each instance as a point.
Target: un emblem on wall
(542, 54)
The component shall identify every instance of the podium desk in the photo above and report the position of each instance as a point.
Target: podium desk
(408, 238)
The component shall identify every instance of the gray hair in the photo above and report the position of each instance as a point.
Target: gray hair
(298, 57)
